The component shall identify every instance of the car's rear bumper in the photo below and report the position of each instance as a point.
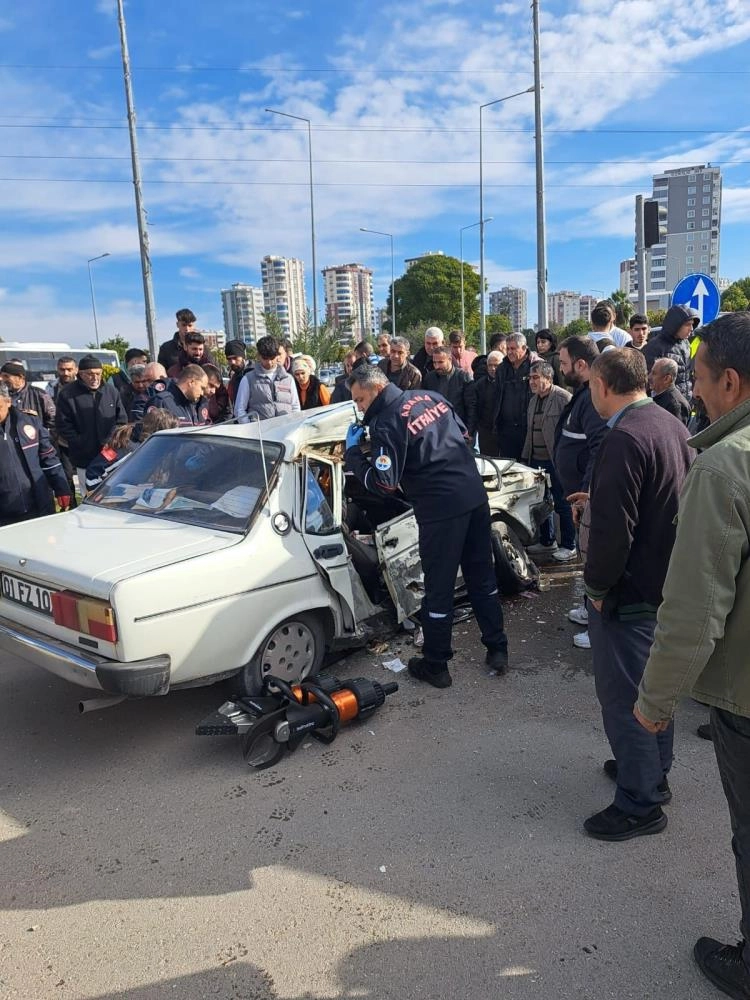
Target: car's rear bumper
(137, 679)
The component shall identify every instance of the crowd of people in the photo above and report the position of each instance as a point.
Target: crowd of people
(660, 519)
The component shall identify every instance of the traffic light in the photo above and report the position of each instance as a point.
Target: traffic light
(654, 222)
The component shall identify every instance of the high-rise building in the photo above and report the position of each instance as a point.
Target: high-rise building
(692, 198)
(629, 277)
(349, 302)
(563, 307)
(587, 303)
(511, 302)
(284, 292)
(244, 318)
(214, 339)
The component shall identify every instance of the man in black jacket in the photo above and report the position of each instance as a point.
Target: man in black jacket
(30, 470)
(169, 351)
(455, 385)
(639, 471)
(512, 396)
(417, 444)
(433, 337)
(673, 341)
(664, 392)
(27, 397)
(400, 371)
(185, 397)
(483, 390)
(88, 410)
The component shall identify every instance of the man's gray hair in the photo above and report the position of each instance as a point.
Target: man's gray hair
(367, 376)
(434, 331)
(136, 371)
(668, 366)
(517, 338)
(544, 369)
(496, 356)
(400, 342)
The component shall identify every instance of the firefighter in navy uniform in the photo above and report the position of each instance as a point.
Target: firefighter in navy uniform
(184, 397)
(418, 443)
(30, 469)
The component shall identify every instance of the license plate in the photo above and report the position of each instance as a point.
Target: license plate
(26, 593)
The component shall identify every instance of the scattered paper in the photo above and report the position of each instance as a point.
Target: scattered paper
(419, 637)
(383, 869)
(185, 503)
(237, 502)
(154, 499)
(396, 666)
(124, 492)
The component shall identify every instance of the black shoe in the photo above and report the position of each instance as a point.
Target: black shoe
(434, 673)
(614, 824)
(704, 732)
(723, 965)
(610, 769)
(497, 660)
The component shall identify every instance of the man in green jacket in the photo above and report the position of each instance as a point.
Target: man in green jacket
(703, 632)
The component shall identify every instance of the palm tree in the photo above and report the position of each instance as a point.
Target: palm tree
(623, 307)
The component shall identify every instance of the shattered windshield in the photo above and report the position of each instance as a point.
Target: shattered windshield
(214, 482)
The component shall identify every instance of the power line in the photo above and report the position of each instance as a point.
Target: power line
(276, 183)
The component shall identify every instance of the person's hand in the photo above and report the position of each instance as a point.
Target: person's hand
(577, 502)
(63, 503)
(353, 435)
(648, 725)
(596, 604)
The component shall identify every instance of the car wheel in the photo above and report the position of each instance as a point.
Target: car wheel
(292, 650)
(514, 570)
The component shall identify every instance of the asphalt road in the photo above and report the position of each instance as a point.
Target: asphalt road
(433, 852)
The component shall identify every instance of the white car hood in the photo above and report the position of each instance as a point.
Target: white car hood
(89, 549)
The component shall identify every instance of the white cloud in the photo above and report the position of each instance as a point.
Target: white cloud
(103, 52)
(107, 7)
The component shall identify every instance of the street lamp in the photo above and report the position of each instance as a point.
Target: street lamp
(377, 232)
(299, 118)
(482, 330)
(461, 244)
(89, 262)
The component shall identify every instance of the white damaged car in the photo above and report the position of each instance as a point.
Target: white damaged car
(231, 550)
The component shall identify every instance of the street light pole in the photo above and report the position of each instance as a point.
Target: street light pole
(541, 237)
(89, 262)
(461, 244)
(299, 118)
(482, 329)
(377, 232)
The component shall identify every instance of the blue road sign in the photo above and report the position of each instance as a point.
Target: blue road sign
(698, 291)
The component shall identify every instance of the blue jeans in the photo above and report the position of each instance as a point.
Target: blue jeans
(562, 509)
(619, 651)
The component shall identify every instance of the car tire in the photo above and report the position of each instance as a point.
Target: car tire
(514, 570)
(292, 650)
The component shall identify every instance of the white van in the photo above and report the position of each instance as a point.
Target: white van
(41, 359)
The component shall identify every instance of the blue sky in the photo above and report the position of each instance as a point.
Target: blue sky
(393, 89)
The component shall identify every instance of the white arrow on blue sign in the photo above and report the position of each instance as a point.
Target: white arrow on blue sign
(698, 291)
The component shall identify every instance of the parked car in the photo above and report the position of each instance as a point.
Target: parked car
(230, 550)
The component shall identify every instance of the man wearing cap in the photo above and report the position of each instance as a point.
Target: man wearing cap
(673, 341)
(234, 352)
(27, 397)
(30, 470)
(88, 410)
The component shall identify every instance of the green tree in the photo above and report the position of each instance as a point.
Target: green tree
(736, 298)
(577, 327)
(274, 327)
(322, 342)
(432, 288)
(656, 317)
(623, 307)
(498, 323)
(117, 343)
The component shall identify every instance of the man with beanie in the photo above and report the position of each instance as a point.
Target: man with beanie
(234, 351)
(88, 410)
(673, 341)
(26, 397)
(417, 443)
(30, 470)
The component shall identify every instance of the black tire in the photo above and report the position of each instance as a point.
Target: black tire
(292, 650)
(514, 570)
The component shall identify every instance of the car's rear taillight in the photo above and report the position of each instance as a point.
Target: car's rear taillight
(84, 614)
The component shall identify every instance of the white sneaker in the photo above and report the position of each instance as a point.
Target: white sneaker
(581, 640)
(541, 550)
(579, 616)
(565, 555)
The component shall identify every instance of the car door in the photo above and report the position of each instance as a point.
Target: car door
(321, 492)
(397, 544)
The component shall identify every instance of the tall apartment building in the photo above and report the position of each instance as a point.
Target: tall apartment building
(692, 197)
(348, 297)
(563, 307)
(511, 302)
(215, 339)
(629, 277)
(284, 292)
(244, 318)
(587, 303)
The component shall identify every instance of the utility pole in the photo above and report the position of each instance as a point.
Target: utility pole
(541, 237)
(640, 254)
(140, 211)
